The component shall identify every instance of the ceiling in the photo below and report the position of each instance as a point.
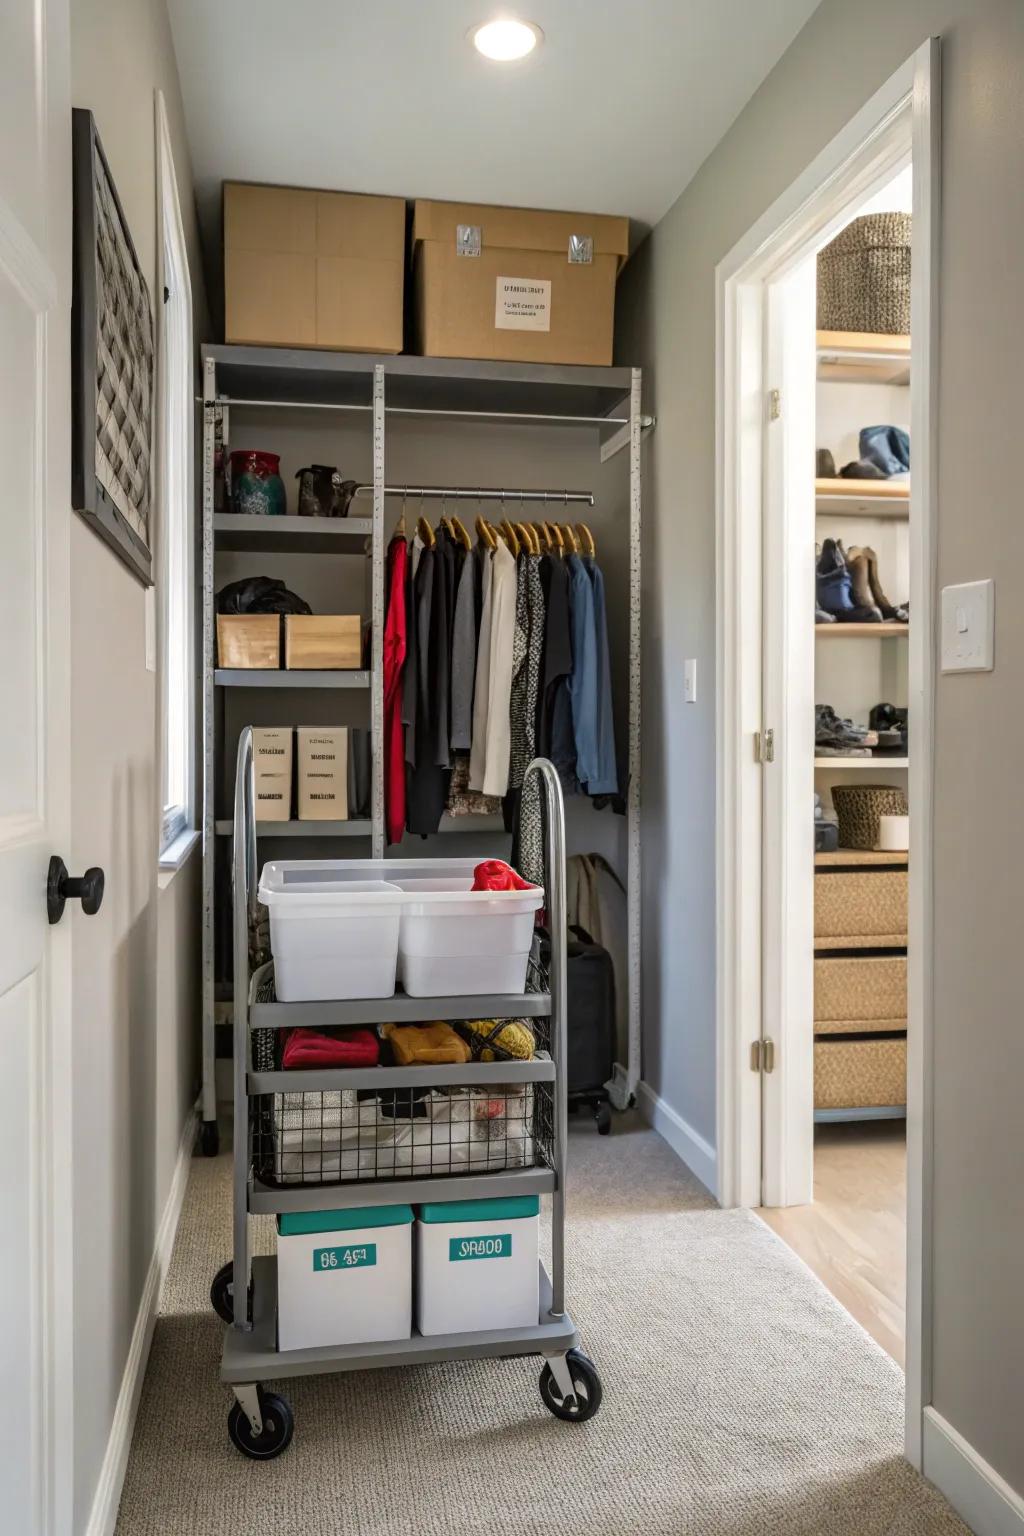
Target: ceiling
(613, 114)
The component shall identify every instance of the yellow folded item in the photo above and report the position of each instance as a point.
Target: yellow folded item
(500, 1039)
(423, 1043)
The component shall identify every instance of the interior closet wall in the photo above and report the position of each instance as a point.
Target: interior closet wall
(136, 964)
(667, 324)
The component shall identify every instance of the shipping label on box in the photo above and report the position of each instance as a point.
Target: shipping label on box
(522, 304)
(323, 774)
(272, 771)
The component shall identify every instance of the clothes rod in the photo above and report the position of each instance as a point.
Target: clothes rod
(481, 493)
(415, 410)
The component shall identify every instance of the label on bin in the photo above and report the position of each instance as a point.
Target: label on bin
(522, 304)
(346, 1256)
(496, 1246)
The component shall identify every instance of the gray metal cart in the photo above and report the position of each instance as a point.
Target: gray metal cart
(260, 1422)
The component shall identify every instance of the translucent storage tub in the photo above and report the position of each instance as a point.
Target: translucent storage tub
(330, 939)
(452, 941)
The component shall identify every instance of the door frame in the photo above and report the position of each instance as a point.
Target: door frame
(904, 112)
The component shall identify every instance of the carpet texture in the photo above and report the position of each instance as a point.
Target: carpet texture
(739, 1398)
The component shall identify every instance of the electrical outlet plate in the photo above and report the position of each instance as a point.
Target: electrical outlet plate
(968, 627)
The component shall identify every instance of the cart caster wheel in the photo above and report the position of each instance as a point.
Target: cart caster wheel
(586, 1385)
(222, 1293)
(209, 1138)
(603, 1116)
(278, 1428)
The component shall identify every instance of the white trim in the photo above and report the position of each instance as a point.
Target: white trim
(176, 853)
(103, 1516)
(976, 1491)
(869, 149)
(688, 1145)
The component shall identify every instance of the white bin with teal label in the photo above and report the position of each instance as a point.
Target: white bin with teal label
(344, 1277)
(477, 1265)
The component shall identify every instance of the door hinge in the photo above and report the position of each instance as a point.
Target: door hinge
(764, 746)
(774, 404)
(762, 1055)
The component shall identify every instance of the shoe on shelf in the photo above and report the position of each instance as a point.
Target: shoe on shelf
(885, 717)
(833, 587)
(897, 613)
(821, 617)
(830, 730)
(884, 453)
(824, 464)
(826, 751)
(859, 567)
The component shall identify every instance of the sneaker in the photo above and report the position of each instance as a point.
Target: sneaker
(830, 730)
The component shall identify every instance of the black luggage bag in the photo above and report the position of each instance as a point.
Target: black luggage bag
(590, 985)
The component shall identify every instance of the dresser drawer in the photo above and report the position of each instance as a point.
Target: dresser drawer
(860, 908)
(853, 994)
(859, 1074)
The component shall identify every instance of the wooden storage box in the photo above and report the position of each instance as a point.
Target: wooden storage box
(304, 268)
(859, 1074)
(322, 641)
(860, 908)
(860, 993)
(249, 640)
(516, 283)
(323, 774)
(272, 772)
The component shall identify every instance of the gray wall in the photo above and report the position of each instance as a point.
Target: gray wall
(136, 964)
(667, 323)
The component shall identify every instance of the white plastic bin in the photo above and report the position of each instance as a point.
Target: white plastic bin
(455, 941)
(344, 1277)
(330, 938)
(477, 1265)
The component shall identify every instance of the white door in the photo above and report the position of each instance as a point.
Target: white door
(35, 1207)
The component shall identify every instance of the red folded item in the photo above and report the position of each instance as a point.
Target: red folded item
(496, 875)
(312, 1048)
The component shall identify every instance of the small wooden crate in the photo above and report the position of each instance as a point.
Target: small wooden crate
(323, 641)
(249, 640)
(859, 1074)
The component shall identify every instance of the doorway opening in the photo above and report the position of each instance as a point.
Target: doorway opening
(818, 1002)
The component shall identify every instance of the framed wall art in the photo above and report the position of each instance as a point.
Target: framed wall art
(112, 361)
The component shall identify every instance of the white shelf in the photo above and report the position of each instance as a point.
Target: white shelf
(860, 764)
(861, 357)
(883, 631)
(839, 497)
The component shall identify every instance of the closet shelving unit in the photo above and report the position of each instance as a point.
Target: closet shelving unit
(860, 359)
(604, 403)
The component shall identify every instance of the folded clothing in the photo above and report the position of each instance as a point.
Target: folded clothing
(333, 1048)
(496, 875)
(499, 1039)
(414, 1043)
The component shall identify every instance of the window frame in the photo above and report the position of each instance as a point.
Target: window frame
(175, 501)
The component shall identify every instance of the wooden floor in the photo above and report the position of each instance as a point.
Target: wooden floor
(854, 1235)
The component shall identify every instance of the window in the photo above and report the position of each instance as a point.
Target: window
(175, 469)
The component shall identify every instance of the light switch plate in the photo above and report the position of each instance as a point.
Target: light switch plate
(968, 627)
(690, 681)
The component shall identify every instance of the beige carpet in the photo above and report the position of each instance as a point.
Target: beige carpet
(738, 1397)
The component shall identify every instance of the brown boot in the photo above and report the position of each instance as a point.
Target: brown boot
(888, 610)
(860, 574)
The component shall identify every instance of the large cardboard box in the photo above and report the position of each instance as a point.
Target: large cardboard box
(272, 772)
(304, 268)
(516, 283)
(323, 773)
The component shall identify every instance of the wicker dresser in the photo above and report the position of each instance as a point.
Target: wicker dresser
(860, 984)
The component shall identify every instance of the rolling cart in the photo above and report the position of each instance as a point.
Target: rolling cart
(265, 1181)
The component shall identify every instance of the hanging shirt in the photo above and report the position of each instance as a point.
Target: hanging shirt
(557, 663)
(427, 780)
(605, 770)
(583, 679)
(503, 628)
(464, 642)
(481, 687)
(394, 662)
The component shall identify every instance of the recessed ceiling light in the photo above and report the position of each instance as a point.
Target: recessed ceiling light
(506, 39)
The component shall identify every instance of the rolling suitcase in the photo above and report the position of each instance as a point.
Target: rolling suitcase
(590, 1015)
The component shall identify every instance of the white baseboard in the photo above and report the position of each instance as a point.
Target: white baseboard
(976, 1491)
(103, 1516)
(698, 1154)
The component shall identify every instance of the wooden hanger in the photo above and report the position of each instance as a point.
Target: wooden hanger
(485, 533)
(425, 532)
(569, 540)
(526, 537)
(508, 533)
(587, 538)
(459, 532)
(555, 535)
(541, 537)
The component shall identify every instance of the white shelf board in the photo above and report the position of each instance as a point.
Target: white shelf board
(860, 764)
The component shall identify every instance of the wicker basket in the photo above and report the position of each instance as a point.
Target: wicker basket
(860, 993)
(856, 1074)
(864, 277)
(860, 808)
(860, 909)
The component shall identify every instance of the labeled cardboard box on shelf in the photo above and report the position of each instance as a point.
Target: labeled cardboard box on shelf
(247, 640)
(323, 773)
(309, 268)
(519, 284)
(323, 641)
(272, 772)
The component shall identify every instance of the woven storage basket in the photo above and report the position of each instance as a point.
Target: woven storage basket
(860, 909)
(860, 808)
(857, 1074)
(864, 277)
(860, 993)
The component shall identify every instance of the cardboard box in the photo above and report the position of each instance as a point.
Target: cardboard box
(516, 283)
(323, 641)
(272, 770)
(304, 268)
(247, 640)
(323, 773)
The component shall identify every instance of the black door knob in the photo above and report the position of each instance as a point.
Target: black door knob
(60, 887)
